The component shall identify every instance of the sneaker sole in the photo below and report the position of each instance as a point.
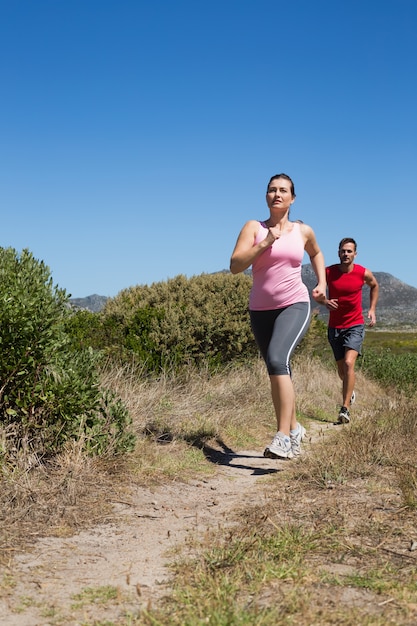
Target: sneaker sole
(344, 419)
(268, 454)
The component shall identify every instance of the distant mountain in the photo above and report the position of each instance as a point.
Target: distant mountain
(93, 303)
(397, 303)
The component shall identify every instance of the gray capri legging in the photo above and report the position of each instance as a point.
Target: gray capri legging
(278, 332)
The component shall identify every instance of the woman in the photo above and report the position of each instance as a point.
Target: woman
(279, 302)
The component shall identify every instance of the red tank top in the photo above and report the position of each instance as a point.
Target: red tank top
(346, 287)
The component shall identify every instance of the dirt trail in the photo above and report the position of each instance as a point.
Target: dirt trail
(131, 554)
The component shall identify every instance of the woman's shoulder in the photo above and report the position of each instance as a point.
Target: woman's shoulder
(304, 228)
(254, 225)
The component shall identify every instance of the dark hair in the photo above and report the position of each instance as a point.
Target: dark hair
(347, 240)
(286, 178)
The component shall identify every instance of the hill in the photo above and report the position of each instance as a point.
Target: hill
(93, 303)
(397, 305)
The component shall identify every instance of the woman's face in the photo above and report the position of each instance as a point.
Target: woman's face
(279, 194)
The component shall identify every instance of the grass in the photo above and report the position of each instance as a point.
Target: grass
(302, 561)
(97, 595)
(397, 341)
(330, 544)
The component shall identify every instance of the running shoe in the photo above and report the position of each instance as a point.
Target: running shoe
(296, 440)
(353, 398)
(279, 448)
(344, 415)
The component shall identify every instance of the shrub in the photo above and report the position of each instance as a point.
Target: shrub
(93, 330)
(49, 392)
(201, 319)
(391, 370)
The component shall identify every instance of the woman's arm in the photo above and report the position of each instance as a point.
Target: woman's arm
(317, 262)
(245, 251)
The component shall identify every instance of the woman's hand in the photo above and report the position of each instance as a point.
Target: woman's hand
(274, 233)
(319, 293)
(245, 251)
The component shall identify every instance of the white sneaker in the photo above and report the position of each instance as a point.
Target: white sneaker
(296, 440)
(279, 448)
(344, 416)
(353, 398)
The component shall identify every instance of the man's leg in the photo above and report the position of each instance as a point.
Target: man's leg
(346, 371)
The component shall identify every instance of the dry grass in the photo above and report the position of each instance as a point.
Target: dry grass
(196, 393)
(74, 490)
(180, 412)
(334, 538)
(56, 498)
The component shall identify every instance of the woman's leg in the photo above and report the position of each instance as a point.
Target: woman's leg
(277, 334)
(289, 328)
(283, 398)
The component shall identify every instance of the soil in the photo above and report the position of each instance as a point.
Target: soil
(65, 580)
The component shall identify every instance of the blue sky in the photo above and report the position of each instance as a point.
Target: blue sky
(136, 138)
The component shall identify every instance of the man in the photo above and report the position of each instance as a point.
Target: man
(346, 328)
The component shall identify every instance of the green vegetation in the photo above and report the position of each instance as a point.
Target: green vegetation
(391, 359)
(98, 595)
(49, 392)
(201, 320)
(396, 341)
(393, 370)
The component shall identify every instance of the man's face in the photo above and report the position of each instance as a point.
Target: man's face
(347, 253)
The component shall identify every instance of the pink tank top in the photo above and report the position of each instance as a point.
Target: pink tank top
(277, 272)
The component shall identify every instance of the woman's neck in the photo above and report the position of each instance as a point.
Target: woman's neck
(277, 221)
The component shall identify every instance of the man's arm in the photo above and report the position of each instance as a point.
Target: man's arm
(372, 283)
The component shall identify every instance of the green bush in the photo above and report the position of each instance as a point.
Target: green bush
(391, 369)
(201, 319)
(93, 330)
(49, 392)
(139, 337)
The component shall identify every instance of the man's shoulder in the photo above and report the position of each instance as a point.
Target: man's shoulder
(331, 269)
(359, 270)
(336, 267)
